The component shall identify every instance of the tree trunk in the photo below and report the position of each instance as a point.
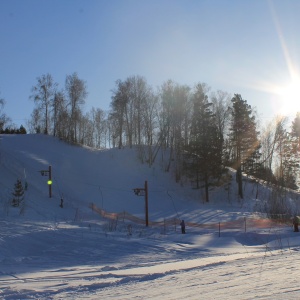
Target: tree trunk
(206, 190)
(239, 181)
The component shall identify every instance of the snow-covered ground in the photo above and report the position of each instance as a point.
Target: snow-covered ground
(49, 252)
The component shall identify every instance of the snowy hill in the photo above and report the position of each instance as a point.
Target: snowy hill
(80, 175)
(49, 252)
(107, 178)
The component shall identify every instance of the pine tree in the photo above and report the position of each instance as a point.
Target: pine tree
(18, 194)
(22, 130)
(244, 139)
(205, 147)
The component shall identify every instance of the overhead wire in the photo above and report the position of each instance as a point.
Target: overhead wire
(173, 204)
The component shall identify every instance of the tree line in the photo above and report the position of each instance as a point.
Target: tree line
(196, 131)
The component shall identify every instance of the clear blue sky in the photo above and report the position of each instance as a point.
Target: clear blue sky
(250, 47)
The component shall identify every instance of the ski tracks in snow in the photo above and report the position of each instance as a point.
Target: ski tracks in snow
(202, 275)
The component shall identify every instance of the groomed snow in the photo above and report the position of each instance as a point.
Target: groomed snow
(49, 252)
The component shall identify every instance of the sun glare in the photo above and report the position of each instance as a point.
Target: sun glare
(290, 98)
(288, 94)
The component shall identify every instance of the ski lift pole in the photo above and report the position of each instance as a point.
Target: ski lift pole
(50, 182)
(137, 191)
(146, 203)
(49, 172)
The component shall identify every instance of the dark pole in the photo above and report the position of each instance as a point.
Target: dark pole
(50, 181)
(146, 203)
(137, 191)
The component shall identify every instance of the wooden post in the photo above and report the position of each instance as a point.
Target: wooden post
(146, 203)
(137, 191)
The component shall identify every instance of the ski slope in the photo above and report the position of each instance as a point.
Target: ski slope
(49, 252)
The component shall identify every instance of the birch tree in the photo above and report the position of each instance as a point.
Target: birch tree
(43, 95)
(77, 92)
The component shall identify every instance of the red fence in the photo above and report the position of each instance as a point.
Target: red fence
(242, 223)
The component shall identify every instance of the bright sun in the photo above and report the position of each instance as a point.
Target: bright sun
(290, 98)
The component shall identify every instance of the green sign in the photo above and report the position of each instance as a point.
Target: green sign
(49, 182)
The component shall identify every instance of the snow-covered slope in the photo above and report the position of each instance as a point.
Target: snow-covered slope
(49, 252)
(104, 177)
(81, 176)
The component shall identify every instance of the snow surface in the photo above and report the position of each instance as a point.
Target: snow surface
(49, 252)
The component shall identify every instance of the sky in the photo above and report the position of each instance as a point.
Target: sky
(249, 47)
(49, 252)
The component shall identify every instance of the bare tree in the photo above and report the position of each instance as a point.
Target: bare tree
(85, 130)
(270, 141)
(174, 121)
(60, 115)
(4, 119)
(139, 95)
(43, 95)
(150, 121)
(221, 102)
(98, 121)
(77, 92)
(35, 123)
(129, 101)
(119, 102)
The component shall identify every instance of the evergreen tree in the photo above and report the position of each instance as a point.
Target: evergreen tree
(18, 194)
(22, 130)
(244, 139)
(205, 147)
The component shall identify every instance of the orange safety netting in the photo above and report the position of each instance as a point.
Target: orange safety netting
(241, 223)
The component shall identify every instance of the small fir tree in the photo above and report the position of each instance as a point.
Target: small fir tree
(22, 130)
(18, 194)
